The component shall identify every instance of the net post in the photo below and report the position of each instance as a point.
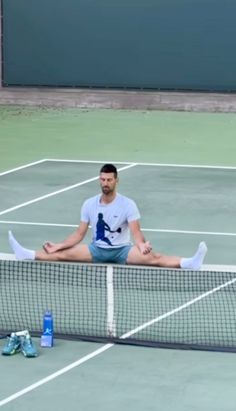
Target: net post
(111, 326)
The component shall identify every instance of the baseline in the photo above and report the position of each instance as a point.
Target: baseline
(35, 200)
(146, 164)
(22, 167)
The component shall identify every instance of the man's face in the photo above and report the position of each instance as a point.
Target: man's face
(108, 182)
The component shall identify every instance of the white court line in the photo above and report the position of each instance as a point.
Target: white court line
(35, 200)
(55, 374)
(7, 256)
(62, 160)
(177, 309)
(37, 224)
(22, 167)
(154, 230)
(188, 232)
(108, 346)
(145, 164)
(121, 163)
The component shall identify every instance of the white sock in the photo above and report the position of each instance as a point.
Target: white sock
(195, 262)
(20, 252)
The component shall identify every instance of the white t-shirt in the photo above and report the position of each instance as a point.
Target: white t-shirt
(109, 222)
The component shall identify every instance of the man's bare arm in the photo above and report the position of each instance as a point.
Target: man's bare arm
(70, 241)
(139, 239)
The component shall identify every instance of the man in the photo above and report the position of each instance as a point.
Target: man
(112, 218)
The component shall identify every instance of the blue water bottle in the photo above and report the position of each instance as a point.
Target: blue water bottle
(47, 336)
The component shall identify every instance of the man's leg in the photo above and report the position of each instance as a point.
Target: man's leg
(79, 252)
(160, 260)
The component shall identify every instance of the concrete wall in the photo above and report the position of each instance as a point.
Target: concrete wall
(146, 44)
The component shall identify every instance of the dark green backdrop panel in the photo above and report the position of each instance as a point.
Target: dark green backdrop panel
(161, 44)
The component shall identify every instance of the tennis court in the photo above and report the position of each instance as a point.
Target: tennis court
(181, 203)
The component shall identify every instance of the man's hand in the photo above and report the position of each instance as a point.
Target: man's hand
(50, 247)
(145, 248)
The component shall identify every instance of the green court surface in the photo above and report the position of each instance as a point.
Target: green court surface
(28, 134)
(180, 168)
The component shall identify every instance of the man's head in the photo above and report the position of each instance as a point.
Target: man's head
(109, 168)
(108, 178)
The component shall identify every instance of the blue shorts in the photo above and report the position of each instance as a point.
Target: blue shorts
(109, 255)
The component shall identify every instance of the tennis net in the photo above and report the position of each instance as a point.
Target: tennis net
(123, 304)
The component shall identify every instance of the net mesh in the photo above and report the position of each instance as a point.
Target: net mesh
(125, 304)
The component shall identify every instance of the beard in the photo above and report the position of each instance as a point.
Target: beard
(106, 190)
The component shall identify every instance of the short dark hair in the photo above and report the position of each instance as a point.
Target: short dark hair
(109, 168)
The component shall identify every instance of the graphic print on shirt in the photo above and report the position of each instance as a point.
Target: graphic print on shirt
(101, 228)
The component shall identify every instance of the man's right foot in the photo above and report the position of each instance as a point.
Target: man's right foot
(20, 252)
(28, 348)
